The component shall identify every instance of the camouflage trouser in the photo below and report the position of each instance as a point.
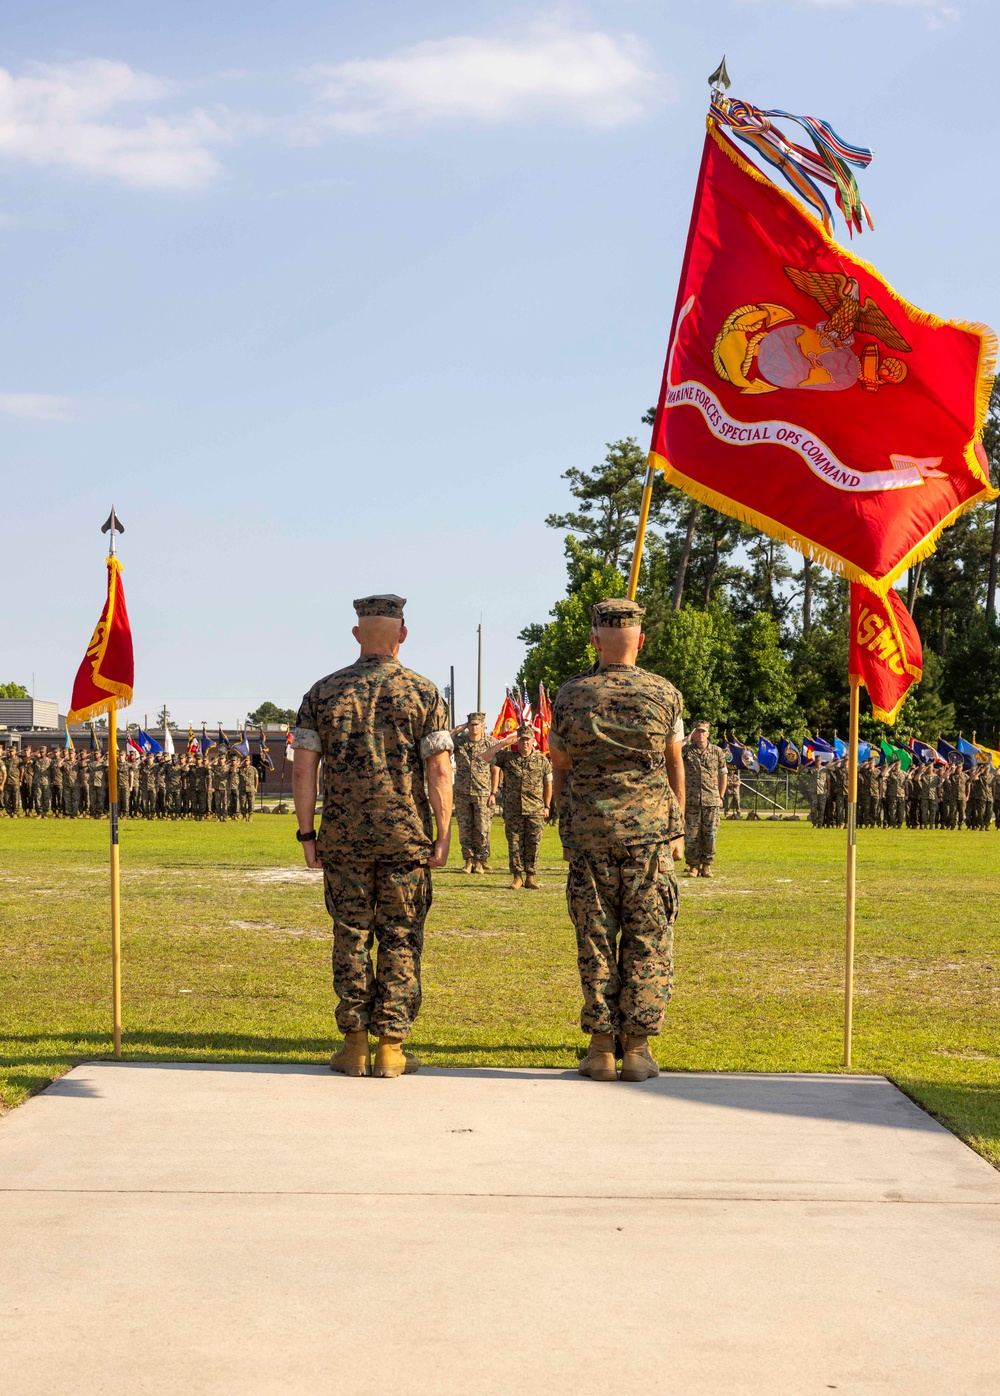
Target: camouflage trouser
(474, 816)
(98, 807)
(12, 797)
(246, 803)
(895, 807)
(71, 799)
(147, 799)
(387, 902)
(863, 813)
(623, 904)
(701, 828)
(523, 838)
(960, 811)
(733, 800)
(41, 796)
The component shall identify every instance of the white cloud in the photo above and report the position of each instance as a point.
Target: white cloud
(554, 72)
(36, 407)
(936, 13)
(71, 115)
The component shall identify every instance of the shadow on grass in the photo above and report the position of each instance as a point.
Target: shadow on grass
(970, 1109)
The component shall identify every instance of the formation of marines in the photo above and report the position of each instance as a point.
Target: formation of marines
(44, 783)
(927, 796)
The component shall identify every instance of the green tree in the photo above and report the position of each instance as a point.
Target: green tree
(693, 649)
(269, 712)
(972, 680)
(562, 648)
(763, 695)
(13, 690)
(610, 496)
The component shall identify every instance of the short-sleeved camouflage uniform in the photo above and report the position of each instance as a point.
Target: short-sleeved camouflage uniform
(524, 780)
(472, 793)
(703, 803)
(374, 724)
(617, 816)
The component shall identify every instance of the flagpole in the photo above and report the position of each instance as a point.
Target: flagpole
(640, 533)
(852, 812)
(479, 672)
(116, 925)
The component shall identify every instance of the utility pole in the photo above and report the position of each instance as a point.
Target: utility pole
(479, 672)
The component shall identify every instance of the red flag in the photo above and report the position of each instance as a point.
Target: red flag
(507, 720)
(104, 679)
(804, 396)
(886, 654)
(543, 719)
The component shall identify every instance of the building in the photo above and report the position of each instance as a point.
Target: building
(30, 714)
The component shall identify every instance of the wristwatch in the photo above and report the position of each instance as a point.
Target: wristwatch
(305, 838)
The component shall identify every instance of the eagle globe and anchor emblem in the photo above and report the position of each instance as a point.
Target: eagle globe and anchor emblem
(763, 348)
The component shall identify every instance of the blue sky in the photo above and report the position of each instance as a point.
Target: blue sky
(326, 298)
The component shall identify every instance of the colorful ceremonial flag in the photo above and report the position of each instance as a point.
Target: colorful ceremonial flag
(946, 751)
(896, 753)
(206, 741)
(864, 751)
(767, 755)
(132, 747)
(839, 748)
(94, 743)
(788, 755)
(992, 756)
(222, 741)
(168, 740)
(543, 719)
(507, 721)
(194, 746)
(289, 750)
(801, 393)
(104, 679)
(69, 741)
(885, 650)
(242, 746)
(971, 753)
(148, 744)
(265, 754)
(741, 756)
(923, 752)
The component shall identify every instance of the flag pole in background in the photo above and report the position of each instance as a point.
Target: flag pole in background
(103, 684)
(479, 672)
(852, 853)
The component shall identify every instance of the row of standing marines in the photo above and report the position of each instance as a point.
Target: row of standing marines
(627, 789)
(71, 785)
(924, 797)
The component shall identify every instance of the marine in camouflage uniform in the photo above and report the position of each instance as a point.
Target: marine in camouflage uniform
(12, 789)
(731, 805)
(866, 793)
(705, 777)
(41, 784)
(173, 777)
(473, 812)
(614, 732)
(820, 790)
(98, 779)
(56, 774)
(962, 778)
(527, 783)
(836, 797)
(382, 734)
(895, 785)
(147, 787)
(248, 788)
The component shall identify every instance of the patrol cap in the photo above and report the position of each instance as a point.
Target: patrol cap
(701, 726)
(384, 605)
(618, 613)
(525, 730)
(474, 718)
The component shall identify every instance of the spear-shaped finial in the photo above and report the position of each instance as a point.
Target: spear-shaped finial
(113, 525)
(719, 81)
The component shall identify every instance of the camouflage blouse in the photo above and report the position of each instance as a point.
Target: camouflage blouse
(374, 723)
(524, 780)
(615, 726)
(472, 769)
(702, 769)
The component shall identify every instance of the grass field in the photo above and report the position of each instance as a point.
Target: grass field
(227, 951)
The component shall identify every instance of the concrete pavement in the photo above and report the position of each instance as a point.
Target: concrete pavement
(217, 1229)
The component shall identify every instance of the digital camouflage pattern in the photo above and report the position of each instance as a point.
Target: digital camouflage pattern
(373, 723)
(474, 817)
(472, 765)
(701, 830)
(387, 605)
(703, 766)
(623, 905)
(384, 902)
(524, 781)
(615, 725)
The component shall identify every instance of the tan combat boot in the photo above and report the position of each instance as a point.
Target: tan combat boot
(468, 866)
(707, 871)
(485, 867)
(518, 882)
(355, 1057)
(391, 1060)
(530, 882)
(599, 1063)
(690, 872)
(638, 1063)
(477, 867)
